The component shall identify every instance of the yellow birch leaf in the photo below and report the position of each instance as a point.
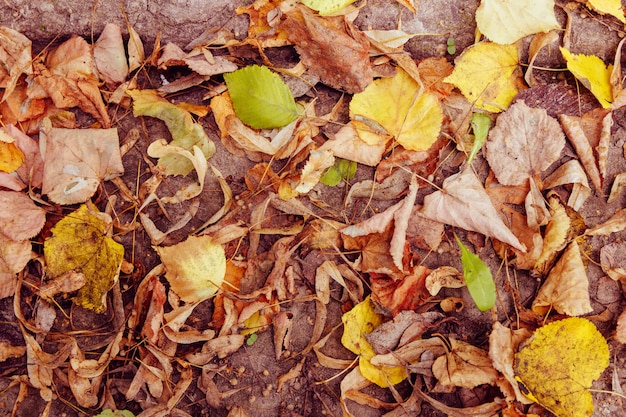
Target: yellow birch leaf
(395, 106)
(79, 243)
(591, 71)
(559, 363)
(11, 157)
(358, 322)
(611, 7)
(507, 21)
(195, 267)
(487, 74)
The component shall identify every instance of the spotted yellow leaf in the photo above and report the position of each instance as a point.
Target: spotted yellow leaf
(559, 363)
(79, 243)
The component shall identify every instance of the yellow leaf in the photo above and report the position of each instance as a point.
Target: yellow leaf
(397, 107)
(559, 363)
(487, 75)
(79, 243)
(591, 71)
(507, 21)
(195, 267)
(11, 157)
(612, 7)
(358, 322)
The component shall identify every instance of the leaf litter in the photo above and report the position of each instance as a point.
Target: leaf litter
(358, 217)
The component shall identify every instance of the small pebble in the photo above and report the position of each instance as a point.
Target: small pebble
(266, 372)
(233, 381)
(252, 399)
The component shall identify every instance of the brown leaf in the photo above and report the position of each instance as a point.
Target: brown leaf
(613, 260)
(25, 225)
(407, 293)
(620, 331)
(465, 366)
(570, 172)
(332, 47)
(31, 170)
(109, 55)
(618, 185)
(566, 289)
(464, 203)
(615, 223)
(575, 133)
(503, 343)
(13, 258)
(15, 50)
(524, 142)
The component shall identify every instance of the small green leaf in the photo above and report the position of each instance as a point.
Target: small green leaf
(332, 177)
(260, 98)
(451, 46)
(115, 413)
(343, 169)
(478, 278)
(251, 339)
(480, 124)
(326, 7)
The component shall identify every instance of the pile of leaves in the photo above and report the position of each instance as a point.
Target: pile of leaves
(466, 160)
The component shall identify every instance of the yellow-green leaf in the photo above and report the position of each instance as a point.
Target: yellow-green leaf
(559, 363)
(487, 74)
(358, 322)
(79, 242)
(326, 7)
(195, 267)
(591, 71)
(478, 278)
(185, 132)
(397, 107)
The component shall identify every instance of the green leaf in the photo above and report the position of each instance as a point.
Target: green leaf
(480, 124)
(260, 98)
(326, 7)
(251, 339)
(478, 278)
(115, 413)
(343, 169)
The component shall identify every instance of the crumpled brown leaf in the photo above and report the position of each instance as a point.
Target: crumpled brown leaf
(613, 260)
(109, 55)
(332, 47)
(15, 54)
(464, 203)
(465, 366)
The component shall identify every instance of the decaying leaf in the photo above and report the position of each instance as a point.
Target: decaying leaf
(503, 343)
(465, 204)
(79, 242)
(620, 331)
(348, 144)
(570, 172)
(195, 267)
(408, 292)
(15, 50)
(358, 322)
(506, 22)
(443, 277)
(185, 132)
(464, 366)
(559, 363)
(403, 110)
(331, 47)
(487, 75)
(566, 289)
(576, 135)
(109, 55)
(27, 223)
(615, 223)
(76, 160)
(30, 170)
(612, 260)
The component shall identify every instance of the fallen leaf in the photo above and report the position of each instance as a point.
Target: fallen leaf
(13, 258)
(559, 363)
(185, 132)
(15, 50)
(540, 41)
(25, 225)
(503, 343)
(443, 277)
(76, 160)
(394, 38)
(394, 295)
(591, 71)
(576, 135)
(478, 278)
(566, 289)
(260, 98)
(348, 145)
(342, 170)
(615, 223)
(331, 47)
(401, 108)
(109, 55)
(11, 157)
(570, 172)
(488, 75)
(464, 366)
(464, 203)
(325, 7)
(30, 172)
(480, 125)
(507, 22)
(620, 331)
(315, 166)
(404, 328)
(136, 54)
(358, 322)
(195, 267)
(610, 7)
(80, 243)
(612, 258)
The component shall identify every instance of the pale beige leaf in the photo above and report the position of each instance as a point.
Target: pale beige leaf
(348, 145)
(109, 55)
(136, 54)
(618, 185)
(202, 66)
(537, 213)
(13, 258)
(524, 142)
(540, 40)
(555, 236)
(507, 21)
(566, 289)
(503, 343)
(602, 149)
(613, 260)
(464, 203)
(31, 170)
(390, 189)
(76, 160)
(444, 277)
(574, 131)
(15, 50)
(616, 223)
(620, 331)
(465, 366)
(318, 162)
(570, 172)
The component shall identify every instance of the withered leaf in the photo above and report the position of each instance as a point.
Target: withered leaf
(332, 47)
